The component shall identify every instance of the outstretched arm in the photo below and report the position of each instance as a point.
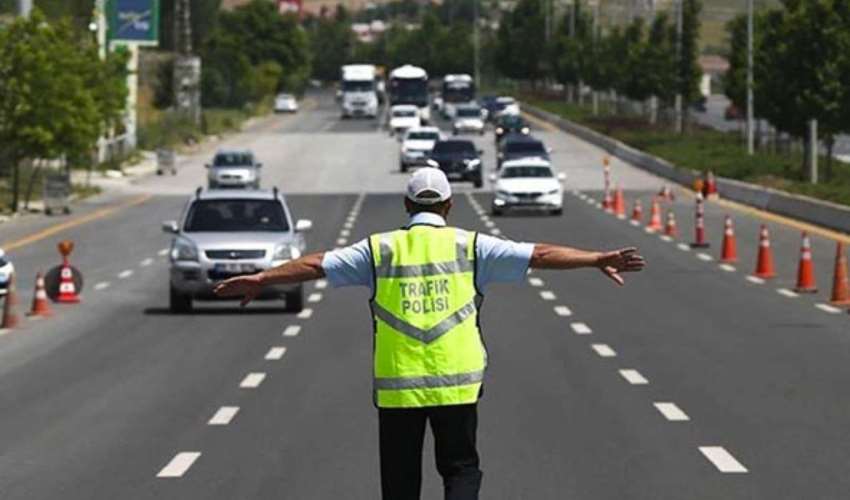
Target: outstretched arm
(249, 286)
(546, 256)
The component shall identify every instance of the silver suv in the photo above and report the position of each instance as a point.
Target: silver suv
(235, 168)
(222, 234)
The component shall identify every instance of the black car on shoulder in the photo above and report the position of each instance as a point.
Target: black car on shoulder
(459, 160)
(510, 124)
(516, 146)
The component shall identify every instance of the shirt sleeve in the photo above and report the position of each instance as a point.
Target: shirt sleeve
(501, 261)
(349, 266)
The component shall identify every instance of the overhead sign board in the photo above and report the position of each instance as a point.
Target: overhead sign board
(134, 21)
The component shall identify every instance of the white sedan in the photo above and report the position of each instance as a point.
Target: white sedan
(403, 117)
(6, 271)
(468, 118)
(528, 184)
(417, 145)
(285, 103)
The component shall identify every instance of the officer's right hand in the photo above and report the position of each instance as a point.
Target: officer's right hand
(247, 287)
(625, 260)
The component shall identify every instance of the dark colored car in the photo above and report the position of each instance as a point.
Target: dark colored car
(516, 146)
(488, 103)
(459, 160)
(510, 124)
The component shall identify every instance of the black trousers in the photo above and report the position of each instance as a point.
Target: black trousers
(402, 432)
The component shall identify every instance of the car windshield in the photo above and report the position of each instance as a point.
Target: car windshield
(512, 121)
(358, 85)
(404, 113)
(525, 147)
(526, 171)
(233, 215)
(423, 136)
(3, 261)
(454, 147)
(285, 97)
(233, 160)
(469, 112)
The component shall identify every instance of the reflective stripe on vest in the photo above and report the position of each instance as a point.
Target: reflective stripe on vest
(428, 350)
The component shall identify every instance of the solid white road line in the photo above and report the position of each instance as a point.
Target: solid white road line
(705, 257)
(321, 284)
(275, 353)
(581, 328)
(125, 273)
(342, 241)
(535, 282)
(787, 293)
(672, 412)
(146, 262)
(683, 247)
(828, 308)
(634, 377)
(604, 350)
(252, 380)
(292, 331)
(547, 295)
(305, 313)
(224, 415)
(755, 279)
(723, 460)
(563, 311)
(163, 252)
(103, 285)
(729, 268)
(314, 297)
(179, 464)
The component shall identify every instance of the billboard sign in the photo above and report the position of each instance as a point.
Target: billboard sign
(134, 21)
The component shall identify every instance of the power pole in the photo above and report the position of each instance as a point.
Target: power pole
(595, 36)
(680, 75)
(750, 97)
(24, 8)
(476, 44)
(187, 67)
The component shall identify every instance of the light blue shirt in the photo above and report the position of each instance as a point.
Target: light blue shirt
(496, 260)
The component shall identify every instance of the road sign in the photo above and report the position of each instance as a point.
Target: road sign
(134, 21)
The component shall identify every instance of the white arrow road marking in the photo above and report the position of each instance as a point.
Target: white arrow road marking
(179, 464)
(292, 331)
(252, 380)
(671, 412)
(723, 460)
(634, 377)
(604, 350)
(581, 328)
(563, 311)
(275, 353)
(224, 415)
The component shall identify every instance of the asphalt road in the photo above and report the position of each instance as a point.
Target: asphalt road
(689, 383)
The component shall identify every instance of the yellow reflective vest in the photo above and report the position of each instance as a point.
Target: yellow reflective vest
(428, 348)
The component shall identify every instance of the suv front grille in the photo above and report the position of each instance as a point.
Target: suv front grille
(527, 195)
(235, 254)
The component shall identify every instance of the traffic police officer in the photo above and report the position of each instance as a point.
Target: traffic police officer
(427, 282)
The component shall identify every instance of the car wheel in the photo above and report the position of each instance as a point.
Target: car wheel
(496, 212)
(557, 211)
(295, 300)
(402, 167)
(179, 303)
(478, 182)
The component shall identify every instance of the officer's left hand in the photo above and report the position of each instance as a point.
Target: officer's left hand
(625, 260)
(247, 287)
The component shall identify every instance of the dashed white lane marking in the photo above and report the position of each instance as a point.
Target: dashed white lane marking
(163, 252)
(729, 268)
(581, 328)
(604, 350)
(146, 262)
(755, 279)
(252, 380)
(292, 331)
(563, 311)
(648, 230)
(787, 293)
(634, 222)
(535, 282)
(683, 247)
(305, 314)
(547, 295)
(125, 273)
(634, 377)
(705, 257)
(345, 232)
(672, 412)
(342, 241)
(179, 464)
(723, 460)
(224, 415)
(495, 231)
(666, 238)
(321, 284)
(275, 353)
(623, 217)
(828, 308)
(314, 297)
(489, 224)
(103, 285)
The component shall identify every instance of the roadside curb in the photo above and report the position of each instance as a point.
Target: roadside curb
(803, 208)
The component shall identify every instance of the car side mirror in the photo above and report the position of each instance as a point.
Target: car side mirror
(562, 176)
(432, 163)
(303, 225)
(170, 226)
(493, 177)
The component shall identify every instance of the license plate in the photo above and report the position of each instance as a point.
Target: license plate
(454, 175)
(234, 268)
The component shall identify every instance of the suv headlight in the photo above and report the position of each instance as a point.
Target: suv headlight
(286, 251)
(553, 192)
(183, 249)
(525, 130)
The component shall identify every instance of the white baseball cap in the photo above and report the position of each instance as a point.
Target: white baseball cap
(428, 186)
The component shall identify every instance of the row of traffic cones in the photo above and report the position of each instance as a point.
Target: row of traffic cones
(40, 303)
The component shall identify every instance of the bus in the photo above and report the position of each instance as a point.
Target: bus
(409, 85)
(457, 89)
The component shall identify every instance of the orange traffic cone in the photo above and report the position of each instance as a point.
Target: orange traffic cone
(619, 203)
(637, 212)
(764, 265)
(699, 225)
(10, 317)
(671, 229)
(655, 217)
(607, 202)
(840, 286)
(806, 269)
(40, 305)
(67, 288)
(730, 245)
(710, 186)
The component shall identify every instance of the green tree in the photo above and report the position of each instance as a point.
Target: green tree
(521, 46)
(332, 45)
(688, 71)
